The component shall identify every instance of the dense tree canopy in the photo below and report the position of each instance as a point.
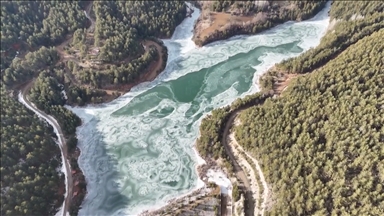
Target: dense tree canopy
(47, 95)
(120, 25)
(30, 160)
(27, 29)
(22, 70)
(321, 144)
(342, 11)
(111, 55)
(143, 18)
(212, 127)
(28, 24)
(126, 73)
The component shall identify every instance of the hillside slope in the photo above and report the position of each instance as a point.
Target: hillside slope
(321, 144)
(220, 20)
(30, 158)
(317, 134)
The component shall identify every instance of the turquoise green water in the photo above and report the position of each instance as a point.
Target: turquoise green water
(137, 152)
(202, 87)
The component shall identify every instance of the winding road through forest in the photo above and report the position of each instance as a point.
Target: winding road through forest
(232, 146)
(60, 139)
(249, 204)
(23, 98)
(250, 208)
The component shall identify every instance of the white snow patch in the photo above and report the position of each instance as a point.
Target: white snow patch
(199, 159)
(357, 17)
(218, 177)
(64, 95)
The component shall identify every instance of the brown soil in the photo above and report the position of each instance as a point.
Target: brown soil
(78, 178)
(212, 26)
(211, 21)
(283, 82)
(153, 69)
(61, 192)
(199, 202)
(114, 91)
(218, 21)
(151, 73)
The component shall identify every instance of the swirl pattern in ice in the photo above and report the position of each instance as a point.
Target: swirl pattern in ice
(137, 150)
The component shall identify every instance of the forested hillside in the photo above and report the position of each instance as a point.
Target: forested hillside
(102, 43)
(353, 22)
(94, 51)
(27, 25)
(21, 70)
(321, 144)
(121, 24)
(30, 160)
(349, 23)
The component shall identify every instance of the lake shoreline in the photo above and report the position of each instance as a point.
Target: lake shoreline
(213, 26)
(202, 169)
(201, 172)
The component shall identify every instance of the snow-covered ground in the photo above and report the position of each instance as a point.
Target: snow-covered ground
(218, 177)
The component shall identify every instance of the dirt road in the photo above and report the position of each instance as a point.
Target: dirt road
(249, 204)
(266, 193)
(226, 139)
(153, 70)
(87, 14)
(61, 141)
(249, 169)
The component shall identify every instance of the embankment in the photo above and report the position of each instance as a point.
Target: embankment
(233, 20)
